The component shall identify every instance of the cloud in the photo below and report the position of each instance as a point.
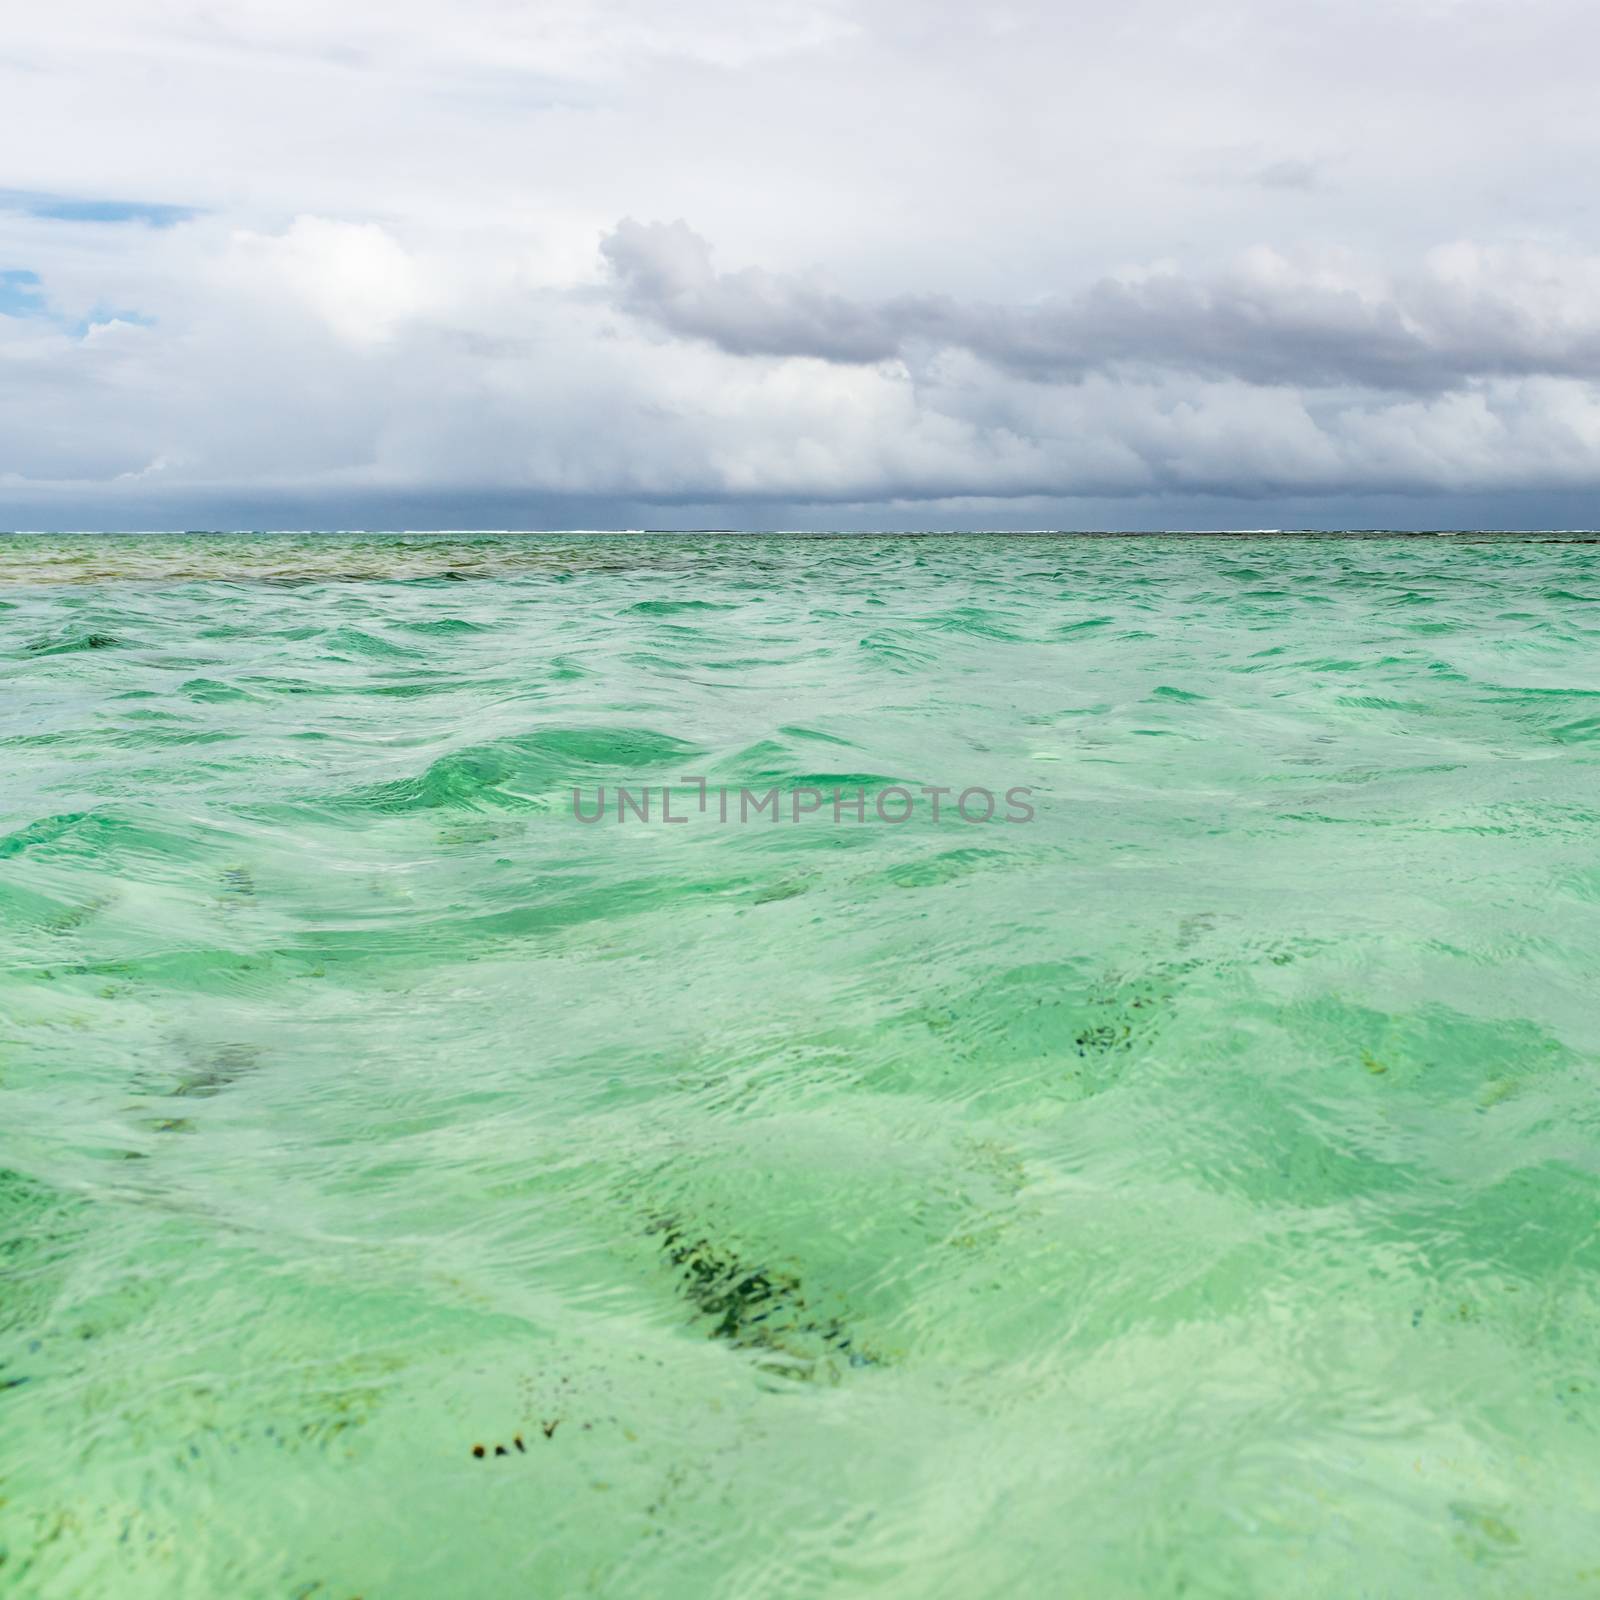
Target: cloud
(1465, 313)
(1072, 257)
(665, 274)
(333, 364)
(1301, 175)
(357, 278)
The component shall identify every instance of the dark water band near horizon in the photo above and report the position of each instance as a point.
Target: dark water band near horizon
(407, 1189)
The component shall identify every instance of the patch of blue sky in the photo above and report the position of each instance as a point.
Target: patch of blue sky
(99, 317)
(22, 296)
(68, 208)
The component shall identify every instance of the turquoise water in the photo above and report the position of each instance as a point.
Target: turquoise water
(1190, 1191)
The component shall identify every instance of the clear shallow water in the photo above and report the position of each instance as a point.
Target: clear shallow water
(1192, 1191)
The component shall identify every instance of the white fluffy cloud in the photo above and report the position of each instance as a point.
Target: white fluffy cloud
(353, 275)
(1026, 262)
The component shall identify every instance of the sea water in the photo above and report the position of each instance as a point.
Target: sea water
(408, 1189)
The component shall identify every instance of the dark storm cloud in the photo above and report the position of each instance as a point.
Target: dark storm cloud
(665, 274)
(1271, 325)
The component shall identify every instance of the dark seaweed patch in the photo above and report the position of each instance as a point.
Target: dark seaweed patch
(1104, 1036)
(216, 1069)
(71, 918)
(66, 646)
(1130, 1010)
(238, 881)
(38, 1225)
(481, 1451)
(751, 1306)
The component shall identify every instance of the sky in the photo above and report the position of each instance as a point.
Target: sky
(812, 263)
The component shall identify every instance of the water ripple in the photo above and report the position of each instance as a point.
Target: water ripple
(408, 1189)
